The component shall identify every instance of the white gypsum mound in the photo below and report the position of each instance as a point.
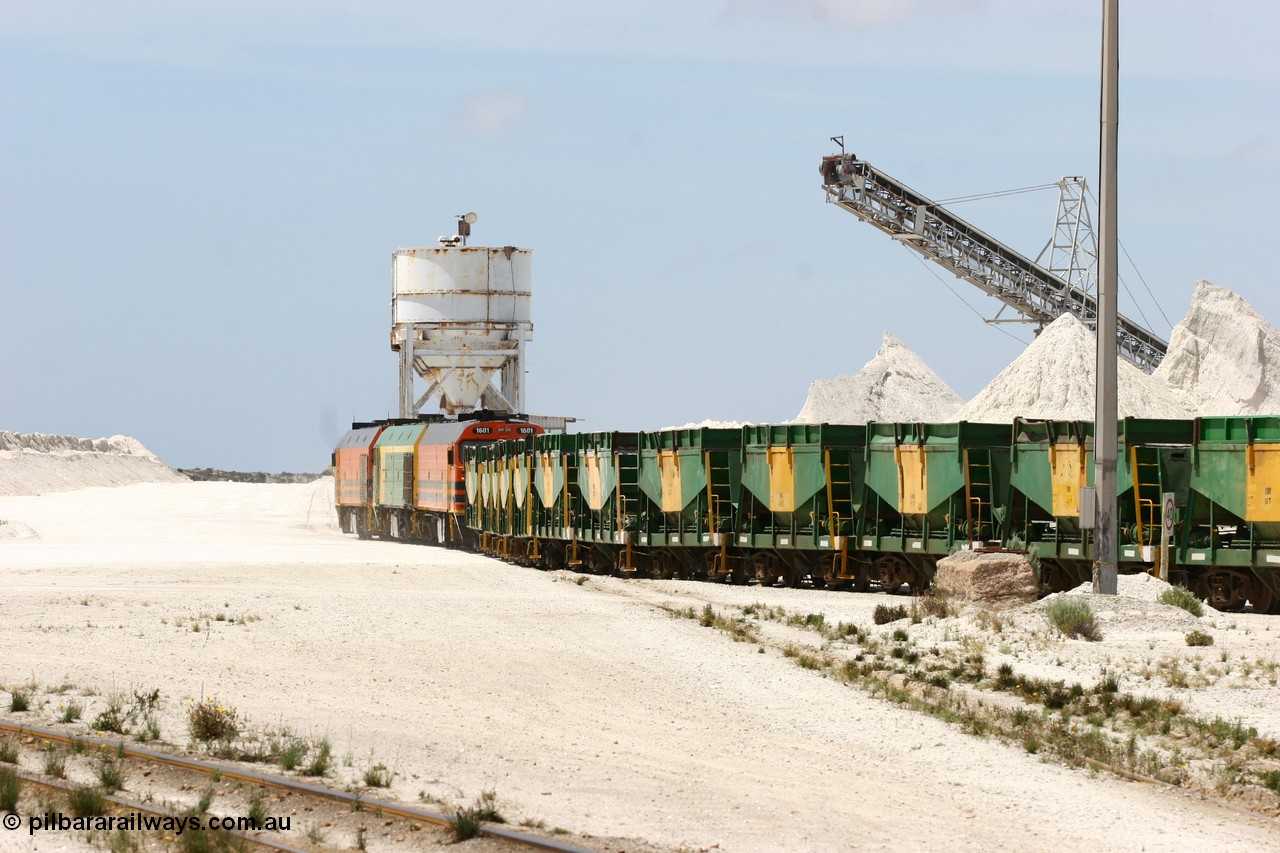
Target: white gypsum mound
(896, 385)
(1224, 356)
(34, 463)
(1054, 378)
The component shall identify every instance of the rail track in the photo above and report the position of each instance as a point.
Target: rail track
(355, 802)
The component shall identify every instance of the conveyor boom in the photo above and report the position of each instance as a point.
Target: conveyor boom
(938, 235)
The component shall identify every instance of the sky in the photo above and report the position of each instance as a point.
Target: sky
(199, 201)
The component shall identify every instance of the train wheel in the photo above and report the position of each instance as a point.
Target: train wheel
(1227, 590)
(791, 576)
(552, 558)
(919, 581)
(892, 571)
(662, 567)
(708, 569)
(1261, 597)
(763, 569)
(862, 582)
(1054, 577)
(922, 576)
(828, 573)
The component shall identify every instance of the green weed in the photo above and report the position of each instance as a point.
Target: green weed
(1074, 617)
(1180, 596)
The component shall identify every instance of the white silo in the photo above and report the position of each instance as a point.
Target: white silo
(460, 315)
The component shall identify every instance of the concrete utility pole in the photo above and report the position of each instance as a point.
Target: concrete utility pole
(1105, 434)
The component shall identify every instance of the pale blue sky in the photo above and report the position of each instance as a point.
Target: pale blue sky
(200, 200)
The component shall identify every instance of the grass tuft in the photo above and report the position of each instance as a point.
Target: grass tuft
(19, 700)
(86, 801)
(293, 753)
(468, 820)
(10, 790)
(257, 812)
(321, 761)
(55, 762)
(378, 776)
(111, 775)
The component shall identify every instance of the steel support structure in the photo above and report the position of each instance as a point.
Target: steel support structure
(1072, 254)
(417, 357)
(940, 236)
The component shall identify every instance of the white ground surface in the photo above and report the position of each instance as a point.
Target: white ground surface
(582, 705)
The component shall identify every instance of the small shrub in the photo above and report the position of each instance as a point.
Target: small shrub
(1237, 733)
(900, 635)
(1270, 780)
(708, 617)
(1180, 596)
(8, 752)
(931, 603)
(19, 700)
(1073, 617)
(71, 712)
(1033, 560)
(1199, 638)
(112, 719)
(378, 776)
(86, 802)
(210, 721)
(808, 662)
(10, 790)
(884, 614)
(321, 762)
(467, 821)
(990, 621)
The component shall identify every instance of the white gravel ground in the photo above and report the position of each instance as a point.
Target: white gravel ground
(585, 705)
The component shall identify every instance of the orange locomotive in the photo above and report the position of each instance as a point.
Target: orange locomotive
(403, 478)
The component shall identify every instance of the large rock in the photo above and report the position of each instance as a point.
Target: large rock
(997, 581)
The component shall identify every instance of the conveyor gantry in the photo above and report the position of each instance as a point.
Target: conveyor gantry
(940, 236)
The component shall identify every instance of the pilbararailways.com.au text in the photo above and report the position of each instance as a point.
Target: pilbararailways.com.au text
(139, 822)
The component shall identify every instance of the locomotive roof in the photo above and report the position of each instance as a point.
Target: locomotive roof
(360, 437)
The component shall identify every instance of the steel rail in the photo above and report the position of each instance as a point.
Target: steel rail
(68, 788)
(383, 806)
